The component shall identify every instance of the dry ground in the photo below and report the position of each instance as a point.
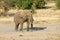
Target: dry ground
(46, 27)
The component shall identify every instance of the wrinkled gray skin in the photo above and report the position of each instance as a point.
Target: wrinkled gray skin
(21, 17)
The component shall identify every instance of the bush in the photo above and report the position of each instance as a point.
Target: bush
(40, 3)
(57, 3)
(26, 4)
(17, 3)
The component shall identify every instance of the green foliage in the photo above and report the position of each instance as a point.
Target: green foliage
(18, 3)
(57, 3)
(27, 3)
(22, 3)
(40, 3)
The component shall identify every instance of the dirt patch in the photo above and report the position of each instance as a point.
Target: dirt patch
(46, 26)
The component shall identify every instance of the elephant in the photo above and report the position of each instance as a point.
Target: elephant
(21, 17)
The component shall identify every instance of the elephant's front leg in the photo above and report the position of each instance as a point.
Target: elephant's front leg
(31, 25)
(16, 26)
(21, 26)
(27, 25)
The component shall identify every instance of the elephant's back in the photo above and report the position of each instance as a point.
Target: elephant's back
(20, 16)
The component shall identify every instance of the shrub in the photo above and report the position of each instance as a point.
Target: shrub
(57, 3)
(17, 3)
(40, 3)
(26, 4)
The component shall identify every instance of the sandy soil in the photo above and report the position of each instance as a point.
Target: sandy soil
(43, 30)
(46, 27)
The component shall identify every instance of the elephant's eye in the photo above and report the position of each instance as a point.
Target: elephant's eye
(21, 17)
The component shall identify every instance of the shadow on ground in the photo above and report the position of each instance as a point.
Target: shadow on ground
(45, 7)
(36, 28)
